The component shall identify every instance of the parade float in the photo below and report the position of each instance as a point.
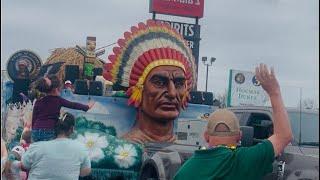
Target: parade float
(102, 127)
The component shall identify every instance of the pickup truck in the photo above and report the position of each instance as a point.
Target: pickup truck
(300, 159)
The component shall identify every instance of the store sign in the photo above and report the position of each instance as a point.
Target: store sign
(245, 90)
(186, 8)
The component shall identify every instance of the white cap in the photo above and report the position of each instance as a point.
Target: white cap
(67, 82)
(18, 149)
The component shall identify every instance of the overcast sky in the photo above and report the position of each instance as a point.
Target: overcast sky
(239, 33)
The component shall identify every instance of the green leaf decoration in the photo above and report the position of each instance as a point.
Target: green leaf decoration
(110, 156)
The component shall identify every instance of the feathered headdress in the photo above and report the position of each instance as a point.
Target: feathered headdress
(147, 46)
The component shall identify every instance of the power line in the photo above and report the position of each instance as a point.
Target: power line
(106, 46)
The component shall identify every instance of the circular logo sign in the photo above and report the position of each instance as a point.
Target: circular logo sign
(23, 64)
(255, 81)
(239, 78)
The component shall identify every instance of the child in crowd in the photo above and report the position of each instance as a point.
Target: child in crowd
(68, 85)
(46, 110)
(12, 165)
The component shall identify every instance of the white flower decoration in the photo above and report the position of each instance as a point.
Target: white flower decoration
(94, 143)
(125, 155)
(12, 122)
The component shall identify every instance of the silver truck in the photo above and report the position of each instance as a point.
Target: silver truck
(300, 159)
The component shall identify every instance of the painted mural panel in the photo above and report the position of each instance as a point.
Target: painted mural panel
(111, 111)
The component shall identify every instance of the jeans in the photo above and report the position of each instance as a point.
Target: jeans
(42, 135)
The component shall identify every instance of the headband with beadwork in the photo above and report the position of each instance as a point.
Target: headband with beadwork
(148, 46)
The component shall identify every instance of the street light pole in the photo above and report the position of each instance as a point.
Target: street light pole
(207, 78)
(204, 60)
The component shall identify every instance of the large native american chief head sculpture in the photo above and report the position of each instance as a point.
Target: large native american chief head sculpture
(146, 47)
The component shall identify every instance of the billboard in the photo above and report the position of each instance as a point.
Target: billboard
(245, 90)
(185, 8)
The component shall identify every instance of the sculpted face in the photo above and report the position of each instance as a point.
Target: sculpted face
(91, 45)
(163, 92)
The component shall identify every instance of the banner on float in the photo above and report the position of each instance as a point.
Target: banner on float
(245, 90)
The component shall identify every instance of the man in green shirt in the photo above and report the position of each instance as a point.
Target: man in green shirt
(223, 160)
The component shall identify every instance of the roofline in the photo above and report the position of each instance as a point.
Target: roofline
(289, 109)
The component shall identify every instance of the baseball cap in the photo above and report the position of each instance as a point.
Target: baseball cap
(18, 149)
(225, 117)
(67, 82)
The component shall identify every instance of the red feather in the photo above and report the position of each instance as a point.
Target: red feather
(159, 23)
(104, 66)
(167, 25)
(179, 56)
(158, 53)
(134, 29)
(141, 25)
(174, 54)
(136, 104)
(185, 61)
(109, 66)
(132, 82)
(112, 58)
(130, 101)
(188, 75)
(134, 77)
(150, 22)
(136, 71)
(116, 50)
(153, 54)
(127, 35)
(169, 53)
(107, 76)
(164, 53)
(143, 60)
(139, 65)
(121, 42)
(147, 57)
(129, 91)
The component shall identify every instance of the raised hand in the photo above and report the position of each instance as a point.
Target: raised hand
(267, 80)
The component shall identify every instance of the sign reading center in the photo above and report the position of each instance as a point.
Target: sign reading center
(190, 32)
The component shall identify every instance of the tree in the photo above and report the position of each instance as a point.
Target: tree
(307, 103)
(222, 98)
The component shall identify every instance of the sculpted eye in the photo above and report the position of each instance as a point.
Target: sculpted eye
(159, 81)
(179, 83)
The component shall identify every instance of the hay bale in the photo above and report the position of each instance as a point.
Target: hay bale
(70, 57)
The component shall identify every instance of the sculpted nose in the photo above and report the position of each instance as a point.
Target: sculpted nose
(172, 92)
